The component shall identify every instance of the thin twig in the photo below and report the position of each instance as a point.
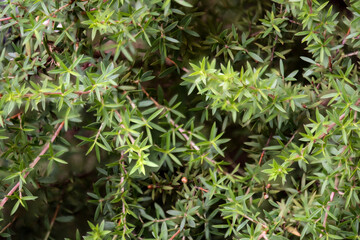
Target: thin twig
(123, 126)
(169, 61)
(332, 195)
(202, 189)
(172, 62)
(254, 221)
(251, 219)
(273, 49)
(332, 125)
(292, 21)
(263, 236)
(351, 54)
(33, 164)
(122, 179)
(173, 236)
(254, 35)
(309, 2)
(185, 70)
(181, 130)
(167, 219)
(345, 37)
(15, 116)
(5, 19)
(263, 152)
(99, 131)
(52, 221)
(61, 8)
(291, 139)
(9, 224)
(344, 40)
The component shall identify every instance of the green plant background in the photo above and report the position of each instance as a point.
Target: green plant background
(174, 119)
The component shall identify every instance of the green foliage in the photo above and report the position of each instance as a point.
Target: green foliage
(149, 119)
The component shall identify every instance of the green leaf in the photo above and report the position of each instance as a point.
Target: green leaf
(15, 207)
(60, 160)
(276, 147)
(309, 60)
(170, 39)
(183, 3)
(255, 57)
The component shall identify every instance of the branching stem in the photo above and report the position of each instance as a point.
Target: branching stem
(33, 164)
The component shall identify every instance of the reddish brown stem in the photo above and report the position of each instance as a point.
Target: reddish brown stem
(332, 195)
(9, 224)
(292, 21)
(331, 126)
(33, 164)
(5, 19)
(263, 152)
(309, 2)
(15, 116)
(61, 8)
(273, 50)
(351, 54)
(345, 38)
(52, 221)
(202, 189)
(263, 236)
(173, 236)
(292, 138)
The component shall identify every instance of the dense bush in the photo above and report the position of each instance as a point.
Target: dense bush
(174, 119)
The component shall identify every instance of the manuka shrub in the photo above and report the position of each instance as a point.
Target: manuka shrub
(179, 119)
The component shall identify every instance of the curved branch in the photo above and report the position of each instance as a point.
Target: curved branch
(33, 164)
